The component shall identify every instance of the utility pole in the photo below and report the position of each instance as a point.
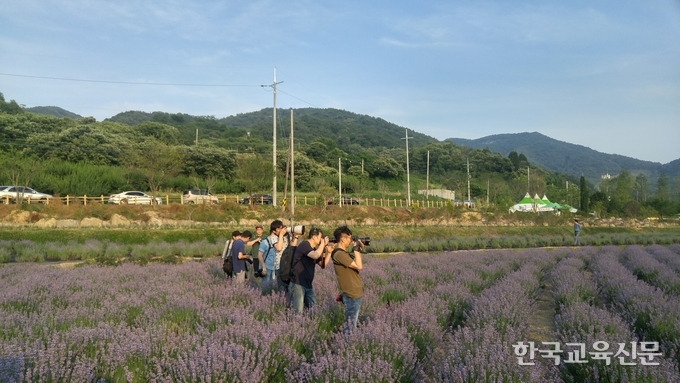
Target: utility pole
(196, 136)
(427, 178)
(292, 168)
(468, 179)
(340, 181)
(273, 86)
(408, 175)
(528, 183)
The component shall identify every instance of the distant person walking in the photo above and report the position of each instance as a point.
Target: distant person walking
(577, 231)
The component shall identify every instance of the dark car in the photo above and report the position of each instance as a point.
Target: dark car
(257, 199)
(346, 200)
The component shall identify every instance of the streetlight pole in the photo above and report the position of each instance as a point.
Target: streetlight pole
(408, 175)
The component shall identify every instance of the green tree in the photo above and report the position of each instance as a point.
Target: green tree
(164, 133)
(663, 188)
(623, 188)
(514, 158)
(254, 173)
(641, 188)
(158, 162)
(10, 107)
(208, 161)
(386, 167)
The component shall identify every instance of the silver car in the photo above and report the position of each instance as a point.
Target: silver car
(133, 198)
(9, 194)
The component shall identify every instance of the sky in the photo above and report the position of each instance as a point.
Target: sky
(603, 74)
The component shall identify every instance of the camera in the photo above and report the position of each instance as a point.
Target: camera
(298, 229)
(365, 240)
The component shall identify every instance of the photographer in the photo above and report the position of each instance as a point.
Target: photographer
(240, 257)
(347, 266)
(270, 251)
(254, 244)
(315, 250)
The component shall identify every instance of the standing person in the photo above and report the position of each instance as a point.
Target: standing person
(228, 262)
(314, 251)
(254, 244)
(270, 251)
(577, 231)
(238, 253)
(347, 266)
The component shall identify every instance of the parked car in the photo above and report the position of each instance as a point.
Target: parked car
(192, 196)
(346, 200)
(258, 199)
(134, 198)
(10, 194)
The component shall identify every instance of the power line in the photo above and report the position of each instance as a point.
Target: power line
(126, 82)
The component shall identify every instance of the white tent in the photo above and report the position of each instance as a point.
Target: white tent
(535, 205)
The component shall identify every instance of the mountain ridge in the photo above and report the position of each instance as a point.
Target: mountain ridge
(575, 159)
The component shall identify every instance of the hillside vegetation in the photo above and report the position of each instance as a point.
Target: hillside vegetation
(159, 152)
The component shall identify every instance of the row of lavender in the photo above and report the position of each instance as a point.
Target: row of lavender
(111, 253)
(653, 313)
(580, 319)
(430, 318)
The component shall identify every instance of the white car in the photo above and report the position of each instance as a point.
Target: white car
(9, 194)
(134, 198)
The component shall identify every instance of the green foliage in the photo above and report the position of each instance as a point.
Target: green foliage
(9, 107)
(209, 162)
(53, 111)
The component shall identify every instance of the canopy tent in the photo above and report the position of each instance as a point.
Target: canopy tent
(537, 205)
(525, 205)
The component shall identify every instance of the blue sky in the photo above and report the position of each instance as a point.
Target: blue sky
(603, 74)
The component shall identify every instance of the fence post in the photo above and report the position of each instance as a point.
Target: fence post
(67, 200)
(167, 199)
(102, 198)
(85, 199)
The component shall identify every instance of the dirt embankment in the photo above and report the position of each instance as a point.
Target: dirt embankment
(153, 219)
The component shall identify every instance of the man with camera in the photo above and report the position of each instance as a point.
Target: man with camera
(270, 252)
(254, 244)
(347, 266)
(240, 257)
(314, 251)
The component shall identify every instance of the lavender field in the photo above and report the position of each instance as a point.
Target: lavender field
(444, 317)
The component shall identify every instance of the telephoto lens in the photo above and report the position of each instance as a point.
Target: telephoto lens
(365, 240)
(298, 229)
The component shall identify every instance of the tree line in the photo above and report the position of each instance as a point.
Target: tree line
(159, 151)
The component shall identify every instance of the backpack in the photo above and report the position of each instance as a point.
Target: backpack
(286, 264)
(286, 261)
(228, 265)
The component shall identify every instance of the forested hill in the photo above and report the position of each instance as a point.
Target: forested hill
(344, 128)
(563, 157)
(53, 111)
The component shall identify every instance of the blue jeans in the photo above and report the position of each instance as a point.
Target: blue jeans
(302, 297)
(352, 306)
